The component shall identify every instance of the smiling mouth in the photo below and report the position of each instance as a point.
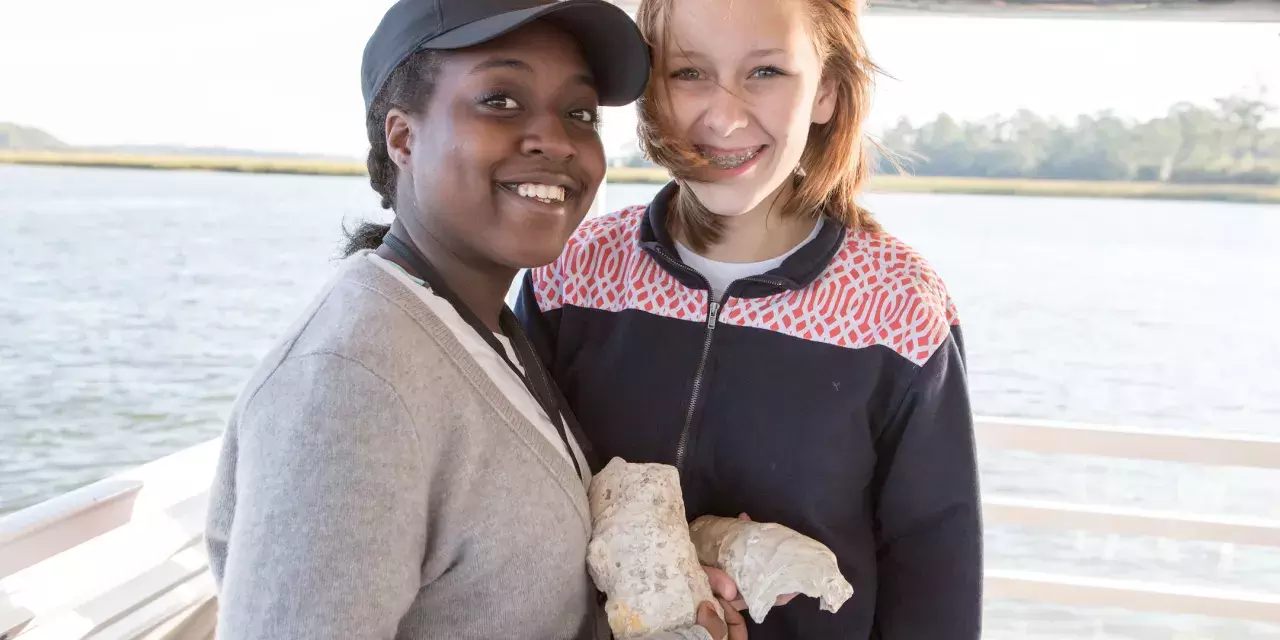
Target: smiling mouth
(732, 160)
(544, 193)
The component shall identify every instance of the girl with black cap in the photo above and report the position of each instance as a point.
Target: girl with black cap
(400, 465)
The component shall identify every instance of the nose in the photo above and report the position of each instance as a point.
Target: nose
(547, 136)
(726, 113)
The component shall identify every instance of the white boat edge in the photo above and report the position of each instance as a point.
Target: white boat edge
(124, 557)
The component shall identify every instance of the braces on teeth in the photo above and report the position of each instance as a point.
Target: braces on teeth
(733, 161)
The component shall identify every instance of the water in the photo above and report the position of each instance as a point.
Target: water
(134, 304)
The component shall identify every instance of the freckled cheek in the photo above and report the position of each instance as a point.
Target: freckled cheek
(687, 107)
(784, 115)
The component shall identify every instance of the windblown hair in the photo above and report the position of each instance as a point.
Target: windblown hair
(835, 162)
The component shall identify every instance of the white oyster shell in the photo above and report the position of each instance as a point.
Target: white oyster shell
(768, 560)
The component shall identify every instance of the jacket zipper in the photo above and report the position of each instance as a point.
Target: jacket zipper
(713, 314)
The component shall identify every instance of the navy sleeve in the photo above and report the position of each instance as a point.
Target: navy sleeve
(540, 328)
(928, 518)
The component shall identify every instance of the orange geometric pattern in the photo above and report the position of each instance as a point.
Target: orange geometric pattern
(877, 290)
(604, 268)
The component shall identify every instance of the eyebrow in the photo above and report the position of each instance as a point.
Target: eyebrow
(502, 63)
(754, 53)
(520, 65)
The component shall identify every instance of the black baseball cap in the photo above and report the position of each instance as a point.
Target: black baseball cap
(611, 41)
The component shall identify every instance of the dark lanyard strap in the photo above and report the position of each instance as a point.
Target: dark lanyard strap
(534, 375)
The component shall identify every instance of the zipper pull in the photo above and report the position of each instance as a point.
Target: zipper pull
(711, 317)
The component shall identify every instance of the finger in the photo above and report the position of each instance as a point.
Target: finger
(738, 605)
(744, 516)
(736, 623)
(786, 597)
(721, 584)
(709, 620)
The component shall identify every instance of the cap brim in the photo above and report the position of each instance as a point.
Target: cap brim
(611, 42)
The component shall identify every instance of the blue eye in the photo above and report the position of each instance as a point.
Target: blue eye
(686, 74)
(767, 72)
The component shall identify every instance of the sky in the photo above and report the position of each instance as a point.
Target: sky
(283, 75)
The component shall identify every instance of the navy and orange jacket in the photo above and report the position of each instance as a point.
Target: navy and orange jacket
(828, 395)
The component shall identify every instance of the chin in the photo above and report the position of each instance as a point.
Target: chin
(729, 200)
(530, 252)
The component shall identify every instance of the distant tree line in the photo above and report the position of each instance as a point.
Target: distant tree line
(1234, 141)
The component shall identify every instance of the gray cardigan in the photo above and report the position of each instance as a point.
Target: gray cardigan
(374, 483)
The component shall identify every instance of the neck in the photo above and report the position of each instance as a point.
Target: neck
(481, 286)
(762, 233)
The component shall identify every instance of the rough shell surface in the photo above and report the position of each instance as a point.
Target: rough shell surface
(640, 554)
(768, 560)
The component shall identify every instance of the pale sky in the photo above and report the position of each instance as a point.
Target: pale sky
(283, 75)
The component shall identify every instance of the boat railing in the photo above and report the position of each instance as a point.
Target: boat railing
(121, 558)
(1042, 436)
(124, 557)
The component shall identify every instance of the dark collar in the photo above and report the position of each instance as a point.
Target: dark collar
(798, 271)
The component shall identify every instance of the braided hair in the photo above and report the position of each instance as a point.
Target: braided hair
(408, 89)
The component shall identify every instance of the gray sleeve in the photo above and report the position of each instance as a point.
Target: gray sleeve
(329, 533)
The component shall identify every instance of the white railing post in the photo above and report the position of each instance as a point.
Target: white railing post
(1050, 436)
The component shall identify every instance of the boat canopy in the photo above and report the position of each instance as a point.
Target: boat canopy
(1194, 10)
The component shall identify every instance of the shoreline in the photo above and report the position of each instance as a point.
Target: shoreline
(1242, 193)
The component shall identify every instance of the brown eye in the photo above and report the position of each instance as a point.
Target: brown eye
(589, 116)
(500, 102)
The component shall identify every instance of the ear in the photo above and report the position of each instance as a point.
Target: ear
(399, 129)
(824, 107)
